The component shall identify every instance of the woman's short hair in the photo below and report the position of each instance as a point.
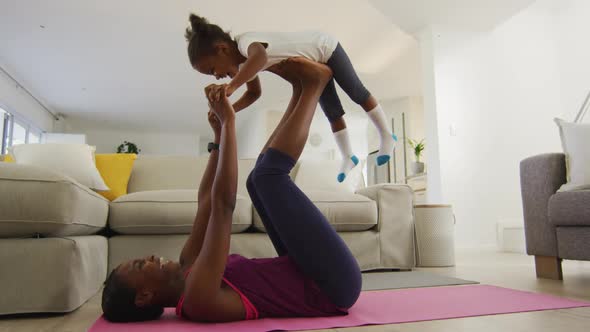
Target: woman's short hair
(118, 303)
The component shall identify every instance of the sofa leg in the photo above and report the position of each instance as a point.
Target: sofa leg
(548, 267)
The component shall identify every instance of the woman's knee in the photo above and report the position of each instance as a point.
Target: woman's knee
(250, 181)
(273, 170)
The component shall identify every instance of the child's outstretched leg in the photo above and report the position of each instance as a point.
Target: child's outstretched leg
(334, 111)
(387, 139)
(349, 159)
(349, 81)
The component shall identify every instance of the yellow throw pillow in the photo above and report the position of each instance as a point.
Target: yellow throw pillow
(115, 169)
(8, 159)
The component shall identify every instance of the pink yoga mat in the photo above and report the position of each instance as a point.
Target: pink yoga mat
(377, 307)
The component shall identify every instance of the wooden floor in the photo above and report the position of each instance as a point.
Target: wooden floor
(486, 266)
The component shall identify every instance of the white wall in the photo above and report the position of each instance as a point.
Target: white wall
(431, 154)
(164, 143)
(250, 132)
(500, 90)
(148, 142)
(255, 127)
(573, 54)
(17, 100)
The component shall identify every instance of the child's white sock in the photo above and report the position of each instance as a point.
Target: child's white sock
(388, 140)
(349, 160)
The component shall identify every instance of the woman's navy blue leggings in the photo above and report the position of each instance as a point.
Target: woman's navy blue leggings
(297, 228)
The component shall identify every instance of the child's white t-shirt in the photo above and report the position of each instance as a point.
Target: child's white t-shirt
(314, 45)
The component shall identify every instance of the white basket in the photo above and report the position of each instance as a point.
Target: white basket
(435, 235)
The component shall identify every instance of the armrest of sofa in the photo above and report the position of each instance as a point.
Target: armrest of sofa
(540, 178)
(36, 200)
(395, 225)
(13, 172)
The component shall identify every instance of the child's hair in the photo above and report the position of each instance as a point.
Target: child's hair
(118, 303)
(201, 37)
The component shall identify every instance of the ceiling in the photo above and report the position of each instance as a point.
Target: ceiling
(413, 15)
(123, 64)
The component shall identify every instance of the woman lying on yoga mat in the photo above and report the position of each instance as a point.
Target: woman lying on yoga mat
(315, 273)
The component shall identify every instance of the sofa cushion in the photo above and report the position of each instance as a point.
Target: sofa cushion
(345, 211)
(35, 200)
(573, 242)
(167, 212)
(570, 208)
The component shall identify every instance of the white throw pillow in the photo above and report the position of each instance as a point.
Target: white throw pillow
(575, 139)
(73, 160)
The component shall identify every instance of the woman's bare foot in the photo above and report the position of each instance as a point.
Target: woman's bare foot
(278, 69)
(310, 73)
(307, 72)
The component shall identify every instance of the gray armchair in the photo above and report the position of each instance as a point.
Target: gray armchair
(557, 224)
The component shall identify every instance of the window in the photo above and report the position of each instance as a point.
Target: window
(16, 130)
(19, 134)
(4, 130)
(34, 138)
(1, 130)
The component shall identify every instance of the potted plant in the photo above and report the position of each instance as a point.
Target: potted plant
(417, 166)
(128, 147)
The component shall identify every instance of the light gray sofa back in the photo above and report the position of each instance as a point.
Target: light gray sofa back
(159, 172)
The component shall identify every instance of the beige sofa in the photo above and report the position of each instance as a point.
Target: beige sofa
(50, 258)
(49, 222)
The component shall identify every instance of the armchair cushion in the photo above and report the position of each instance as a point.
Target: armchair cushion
(570, 208)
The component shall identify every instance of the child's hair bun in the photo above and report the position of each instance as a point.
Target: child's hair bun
(197, 21)
(198, 25)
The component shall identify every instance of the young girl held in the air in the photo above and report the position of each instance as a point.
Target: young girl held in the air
(214, 52)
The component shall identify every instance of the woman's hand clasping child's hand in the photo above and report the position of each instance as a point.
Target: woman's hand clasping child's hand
(219, 103)
(213, 91)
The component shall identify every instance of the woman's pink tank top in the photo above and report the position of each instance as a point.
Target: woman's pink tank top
(274, 287)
